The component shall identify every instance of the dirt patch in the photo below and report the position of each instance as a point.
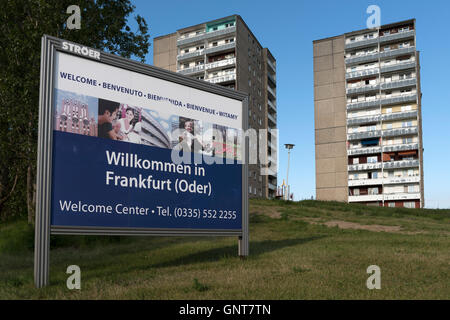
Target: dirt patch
(356, 226)
(266, 210)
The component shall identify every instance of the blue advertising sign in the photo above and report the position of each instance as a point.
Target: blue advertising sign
(134, 151)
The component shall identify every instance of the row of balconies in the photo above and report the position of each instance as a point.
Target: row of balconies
(384, 117)
(379, 55)
(394, 84)
(205, 35)
(384, 165)
(384, 69)
(382, 39)
(385, 197)
(384, 101)
(389, 180)
(197, 53)
(379, 149)
(209, 66)
(382, 133)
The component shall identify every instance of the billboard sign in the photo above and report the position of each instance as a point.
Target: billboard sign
(129, 149)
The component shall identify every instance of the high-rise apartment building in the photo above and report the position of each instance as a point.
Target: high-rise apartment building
(225, 52)
(368, 131)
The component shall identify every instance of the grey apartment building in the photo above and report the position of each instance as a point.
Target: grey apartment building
(368, 124)
(225, 52)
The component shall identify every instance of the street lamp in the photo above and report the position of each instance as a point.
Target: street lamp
(288, 146)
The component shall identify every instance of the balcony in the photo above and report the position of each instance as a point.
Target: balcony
(364, 182)
(400, 132)
(399, 115)
(271, 91)
(220, 64)
(398, 66)
(190, 55)
(361, 58)
(361, 43)
(205, 35)
(399, 99)
(401, 164)
(363, 89)
(366, 150)
(272, 105)
(363, 120)
(398, 84)
(219, 48)
(401, 147)
(272, 65)
(364, 166)
(401, 180)
(222, 78)
(397, 36)
(272, 186)
(364, 135)
(192, 70)
(363, 104)
(272, 118)
(402, 196)
(397, 52)
(272, 78)
(365, 198)
(361, 73)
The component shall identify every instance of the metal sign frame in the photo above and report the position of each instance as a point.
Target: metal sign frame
(43, 227)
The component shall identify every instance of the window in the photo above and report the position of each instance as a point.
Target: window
(410, 172)
(356, 192)
(391, 204)
(407, 140)
(388, 125)
(406, 124)
(406, 108)
(389, 110)
(372, 159)
(352, 39)
(387, 48)
(355, 160)
(374, 175)
(186, 50)
(409, 204)
(373, 190)
(387, 32)
(214, 44)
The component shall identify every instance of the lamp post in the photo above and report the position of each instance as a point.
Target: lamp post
(288, 146)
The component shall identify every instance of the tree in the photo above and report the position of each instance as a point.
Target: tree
(104, 26)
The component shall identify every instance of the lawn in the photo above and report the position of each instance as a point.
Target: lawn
(298, 250)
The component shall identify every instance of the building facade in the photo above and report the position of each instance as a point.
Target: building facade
(225, 52)
(368, 124)
(73, 117)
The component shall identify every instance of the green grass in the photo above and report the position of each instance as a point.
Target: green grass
(290, 258)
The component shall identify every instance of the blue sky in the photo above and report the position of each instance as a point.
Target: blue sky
(288, 28)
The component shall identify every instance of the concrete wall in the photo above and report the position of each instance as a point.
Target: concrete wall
(330, 120)
(165, 52)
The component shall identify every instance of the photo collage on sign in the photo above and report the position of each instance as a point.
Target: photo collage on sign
(96, 117)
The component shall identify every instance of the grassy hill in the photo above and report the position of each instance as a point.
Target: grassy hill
(298, 250)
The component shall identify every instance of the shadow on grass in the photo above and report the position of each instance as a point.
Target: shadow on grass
(256, 248)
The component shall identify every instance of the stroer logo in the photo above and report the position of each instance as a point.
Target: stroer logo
(81, 50)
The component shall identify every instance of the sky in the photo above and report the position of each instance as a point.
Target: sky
(288, 29)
